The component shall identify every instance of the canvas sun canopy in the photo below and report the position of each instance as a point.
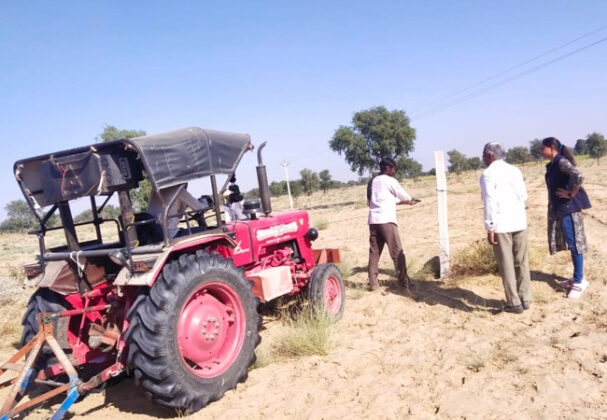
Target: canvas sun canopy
(169, 159)
(179, 156)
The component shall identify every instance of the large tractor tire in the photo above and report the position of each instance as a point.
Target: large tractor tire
(193, 335)
(45, 300)
(326, 290)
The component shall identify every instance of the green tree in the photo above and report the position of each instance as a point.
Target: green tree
(535, 149)
(407, 167)
(112, 133)
(597, 146)
(252, 194)
(309, 181)
(518, 154)
(108, 212)
(458, 162)
(278, 188)
(296, 188)
(325, 180)
(19, 218)
(140, 196)
(375, 133)
(475, 163)
(580, 148)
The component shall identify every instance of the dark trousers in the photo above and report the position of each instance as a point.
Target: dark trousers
(386, 233)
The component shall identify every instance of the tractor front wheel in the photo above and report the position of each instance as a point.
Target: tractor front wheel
(326, 290)
(193, 336)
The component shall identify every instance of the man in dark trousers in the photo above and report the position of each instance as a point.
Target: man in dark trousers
(383, 193)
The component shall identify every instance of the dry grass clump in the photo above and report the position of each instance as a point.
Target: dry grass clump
(264, 357)
(321, 223)
(345, 268)
(308, 333)
(476, 259)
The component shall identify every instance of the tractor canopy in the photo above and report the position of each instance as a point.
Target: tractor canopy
(168, 159)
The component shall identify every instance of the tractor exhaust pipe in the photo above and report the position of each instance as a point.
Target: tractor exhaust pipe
(262, 180)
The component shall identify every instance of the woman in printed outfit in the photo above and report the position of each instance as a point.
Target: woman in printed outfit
(566, 199)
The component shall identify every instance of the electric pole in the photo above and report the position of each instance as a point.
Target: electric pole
(284, 164)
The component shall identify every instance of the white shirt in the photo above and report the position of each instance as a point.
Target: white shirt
(504, 195)
(385, 193)
(233, 212)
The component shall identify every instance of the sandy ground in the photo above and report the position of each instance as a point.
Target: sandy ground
(444, 351)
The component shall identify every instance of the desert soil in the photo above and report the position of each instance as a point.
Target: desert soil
(442, 351)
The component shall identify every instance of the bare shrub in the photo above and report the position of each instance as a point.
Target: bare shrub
(476, 259)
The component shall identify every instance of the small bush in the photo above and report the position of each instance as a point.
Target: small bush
(308, 333)
(344, 268)
(476, 259)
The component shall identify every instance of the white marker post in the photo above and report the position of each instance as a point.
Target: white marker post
(443, 227)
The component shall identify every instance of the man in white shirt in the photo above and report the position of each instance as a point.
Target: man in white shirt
(233, 210)
(504, 195)
(383, 193)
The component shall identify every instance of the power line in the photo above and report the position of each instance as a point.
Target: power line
(505, 81)
(451, 95)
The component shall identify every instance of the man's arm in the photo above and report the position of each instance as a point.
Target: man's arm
(190, 201)
(519, 186)
(400, 193)
(487, 194)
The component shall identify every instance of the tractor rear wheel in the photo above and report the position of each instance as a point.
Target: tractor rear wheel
(192, 337)
(45, 300)
(326, 290)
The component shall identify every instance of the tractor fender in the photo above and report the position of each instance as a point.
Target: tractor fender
(187, 245)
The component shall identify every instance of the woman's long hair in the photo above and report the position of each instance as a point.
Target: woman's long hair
(559, 147)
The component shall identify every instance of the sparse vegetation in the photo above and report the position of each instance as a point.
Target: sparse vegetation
(476, 362)
(321, 223)
(476, 259)
(345, 268)
(265, 357)
(308, 333)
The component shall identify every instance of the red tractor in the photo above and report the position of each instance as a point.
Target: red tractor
(172, 297)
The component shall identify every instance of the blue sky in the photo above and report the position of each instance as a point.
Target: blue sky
(290, 73)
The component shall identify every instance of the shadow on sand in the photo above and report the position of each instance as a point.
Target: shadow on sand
(128, 398)
(434, 292)
(550, 279)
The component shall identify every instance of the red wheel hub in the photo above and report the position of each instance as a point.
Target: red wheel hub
(211, 329)
(332, 294)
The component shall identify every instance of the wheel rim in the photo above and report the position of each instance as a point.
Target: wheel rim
(332, 294)
(211, 329)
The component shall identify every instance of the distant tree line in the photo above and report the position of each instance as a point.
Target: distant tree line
(594, 145)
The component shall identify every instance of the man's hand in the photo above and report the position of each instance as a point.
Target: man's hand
(413, 201)
(491, 237)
